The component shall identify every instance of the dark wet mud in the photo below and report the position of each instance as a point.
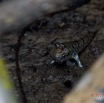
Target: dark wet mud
(45, 83)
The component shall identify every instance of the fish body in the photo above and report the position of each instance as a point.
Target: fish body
(79, 45)
(70, 50)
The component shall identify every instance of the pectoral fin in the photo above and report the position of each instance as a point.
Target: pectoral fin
(76, 58)
(52, 62)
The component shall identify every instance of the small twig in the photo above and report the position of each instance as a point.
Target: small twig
(18, 68)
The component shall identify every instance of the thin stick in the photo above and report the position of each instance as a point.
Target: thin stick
(18, 73)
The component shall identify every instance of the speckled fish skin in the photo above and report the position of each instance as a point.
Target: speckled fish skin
(69, 50)
(79, 45)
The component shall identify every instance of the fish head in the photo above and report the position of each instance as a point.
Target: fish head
(60, 52)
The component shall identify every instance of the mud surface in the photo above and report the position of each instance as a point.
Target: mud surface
(45, 83)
